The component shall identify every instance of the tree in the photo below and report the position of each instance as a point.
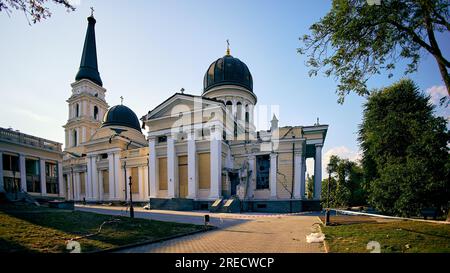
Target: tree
(309, 186)
(356, 40)
(405, 149)
(347, 183)
(36, 9)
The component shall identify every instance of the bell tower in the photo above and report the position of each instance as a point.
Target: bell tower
(87, 104)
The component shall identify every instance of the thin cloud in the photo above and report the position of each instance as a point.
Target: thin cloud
(436, 94)
(33, 115)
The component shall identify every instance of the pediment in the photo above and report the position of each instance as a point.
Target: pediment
(180, 103)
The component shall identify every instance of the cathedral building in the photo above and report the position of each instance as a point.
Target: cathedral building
(199, 151)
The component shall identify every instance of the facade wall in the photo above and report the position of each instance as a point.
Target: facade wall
(30, 164)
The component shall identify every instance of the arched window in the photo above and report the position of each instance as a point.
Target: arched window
(239, 110)
(229, 106)
(75, 138)
(247, 114)
(77, 110)
(95, 112)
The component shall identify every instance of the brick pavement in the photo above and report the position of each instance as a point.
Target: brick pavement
(285, 234)
(236, 233)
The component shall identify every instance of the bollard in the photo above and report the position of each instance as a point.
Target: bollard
(206, 221)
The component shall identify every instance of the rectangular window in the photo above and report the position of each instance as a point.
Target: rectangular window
(162, 168)
(204, 173)
(51, 177)
(162, 139)
(82, 183)
(33, 175)
(262, 171)
(105, 175)
(10, 163)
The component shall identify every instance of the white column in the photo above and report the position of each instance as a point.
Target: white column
(88, 191)
(118, 177)
(43, 178)
(62, 187)
(101, 191)
(273, 175)
(2, 185)
(192, 167)
(23, 173)
(95, 186)
(318, 172)
(297, 176)
(216, 164)
(171, 167)
(76, 186)
(69, 186)
(302, 179)
(146, 183)
(112, 177)
(141, 184)
(153, 170)
(252, 179)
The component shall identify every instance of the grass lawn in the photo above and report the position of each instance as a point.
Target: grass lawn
(352, 235)
(32, 229)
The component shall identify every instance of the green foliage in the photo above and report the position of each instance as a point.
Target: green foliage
(355, 40)
(405, 151)
(310, 187)
(347, 184)
(36, 9)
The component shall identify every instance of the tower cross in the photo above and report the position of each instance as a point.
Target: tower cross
(228, 47)
(121, 100)
(92, 11)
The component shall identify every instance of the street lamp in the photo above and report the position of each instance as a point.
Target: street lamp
(117, 132)
(131, 200)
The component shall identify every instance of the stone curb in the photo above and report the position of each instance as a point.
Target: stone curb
(109, 250)
(325, 244)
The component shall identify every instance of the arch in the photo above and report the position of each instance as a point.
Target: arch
(229, 106)
(239, 110)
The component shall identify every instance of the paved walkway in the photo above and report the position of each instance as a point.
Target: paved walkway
(246, 233)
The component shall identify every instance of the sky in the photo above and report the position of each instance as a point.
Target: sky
(147, 50)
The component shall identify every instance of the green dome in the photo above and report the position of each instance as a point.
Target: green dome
(228, 70)
(120, 115)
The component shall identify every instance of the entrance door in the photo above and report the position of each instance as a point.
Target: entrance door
(234, 179)
(183, 176)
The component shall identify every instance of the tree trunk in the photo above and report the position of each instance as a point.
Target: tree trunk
(437, 52)
(444, 74)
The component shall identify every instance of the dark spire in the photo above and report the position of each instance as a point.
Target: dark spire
(88, 66)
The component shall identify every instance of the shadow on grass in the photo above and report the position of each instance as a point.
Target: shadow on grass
(72, 224)
(7, 246)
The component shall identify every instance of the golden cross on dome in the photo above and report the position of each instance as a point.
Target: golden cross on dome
(228, 47)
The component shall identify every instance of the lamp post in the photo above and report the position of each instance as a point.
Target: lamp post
(131, 200)
(117, 132)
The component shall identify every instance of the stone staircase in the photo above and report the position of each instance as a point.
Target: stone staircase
(229, 205)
